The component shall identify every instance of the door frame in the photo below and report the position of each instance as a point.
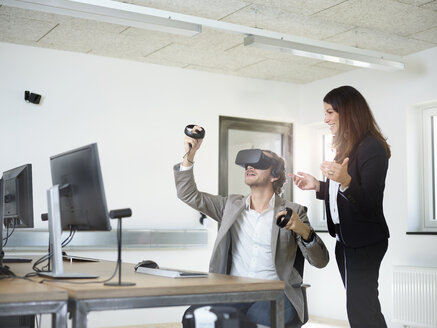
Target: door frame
(239, 123)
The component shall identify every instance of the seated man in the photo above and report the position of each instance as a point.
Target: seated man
(260, 249)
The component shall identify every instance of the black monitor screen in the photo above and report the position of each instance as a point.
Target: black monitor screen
(17, 197)
(82, 196)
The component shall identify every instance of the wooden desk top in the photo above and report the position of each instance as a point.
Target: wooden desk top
(146, 285)
(20, 290)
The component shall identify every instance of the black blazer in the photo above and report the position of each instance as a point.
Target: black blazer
(360, 209)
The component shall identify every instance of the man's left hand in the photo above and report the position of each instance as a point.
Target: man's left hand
(296, 225)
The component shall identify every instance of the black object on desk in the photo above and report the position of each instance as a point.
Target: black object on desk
(147, 264)
(16, 260)
(119, 214)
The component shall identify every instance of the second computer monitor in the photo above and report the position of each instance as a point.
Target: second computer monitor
(17, 199)
(82, 195)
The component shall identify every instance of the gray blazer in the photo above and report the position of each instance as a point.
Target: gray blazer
(284, 243)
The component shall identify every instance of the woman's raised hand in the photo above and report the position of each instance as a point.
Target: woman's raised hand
(305, 181)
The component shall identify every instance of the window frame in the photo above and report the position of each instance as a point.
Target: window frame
(418, 165)
(319, 219)
(429, 184)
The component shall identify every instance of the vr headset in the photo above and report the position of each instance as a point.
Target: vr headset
(258, 160)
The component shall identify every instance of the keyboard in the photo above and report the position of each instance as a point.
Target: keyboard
(171, 273)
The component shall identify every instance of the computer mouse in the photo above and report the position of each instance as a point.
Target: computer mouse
(147, 264)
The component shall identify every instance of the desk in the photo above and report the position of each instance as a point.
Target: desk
(24, 297)
(153, 291)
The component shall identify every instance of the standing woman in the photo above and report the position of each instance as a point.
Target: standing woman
(353, 195)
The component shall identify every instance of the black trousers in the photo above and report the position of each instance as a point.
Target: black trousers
(359, 269)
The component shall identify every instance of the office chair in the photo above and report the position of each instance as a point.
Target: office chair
(187, 318)
(299, 264)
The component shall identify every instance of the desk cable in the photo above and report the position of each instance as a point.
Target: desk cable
(8, 234)
(47, 256)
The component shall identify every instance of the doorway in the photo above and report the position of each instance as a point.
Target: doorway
(236, 134)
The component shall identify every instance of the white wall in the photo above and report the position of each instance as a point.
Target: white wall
(391, 97)
(136, 113)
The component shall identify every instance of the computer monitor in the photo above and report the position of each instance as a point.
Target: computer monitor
(76, 201)
(82, 195)
(17, 197)
(16, 205)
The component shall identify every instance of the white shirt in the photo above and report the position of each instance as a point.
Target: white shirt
(334, 187)
(185, 168)
(251, 243)
(333, 192)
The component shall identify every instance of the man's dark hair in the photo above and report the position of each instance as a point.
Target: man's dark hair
(279, 168)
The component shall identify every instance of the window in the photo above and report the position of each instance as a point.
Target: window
(328, 151)
(421, 161)
(328, 155)
(320, 142)
(429, 126)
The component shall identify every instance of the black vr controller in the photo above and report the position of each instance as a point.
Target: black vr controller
(282, 220)
(189, 131)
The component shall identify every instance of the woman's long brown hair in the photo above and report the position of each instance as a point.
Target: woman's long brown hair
(355, 121)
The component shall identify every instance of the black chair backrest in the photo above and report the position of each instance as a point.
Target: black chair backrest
(299, 261)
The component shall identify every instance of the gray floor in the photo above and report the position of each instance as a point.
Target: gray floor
(314, 322)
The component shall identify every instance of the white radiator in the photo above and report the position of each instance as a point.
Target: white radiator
(415, 296)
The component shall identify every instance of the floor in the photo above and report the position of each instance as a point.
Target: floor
(319, 322)
(314, 322)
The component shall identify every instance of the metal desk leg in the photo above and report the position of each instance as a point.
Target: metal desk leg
(59, 318)
(79, 313)
(277, 312)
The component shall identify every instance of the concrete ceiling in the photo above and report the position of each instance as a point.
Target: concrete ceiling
(396, 27)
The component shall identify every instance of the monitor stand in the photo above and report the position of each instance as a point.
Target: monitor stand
(55, 231)
(6, 258)
(4, 270)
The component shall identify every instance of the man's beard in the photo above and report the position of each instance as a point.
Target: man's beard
(258, 182)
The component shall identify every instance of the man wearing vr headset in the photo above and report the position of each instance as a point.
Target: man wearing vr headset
(249, 243)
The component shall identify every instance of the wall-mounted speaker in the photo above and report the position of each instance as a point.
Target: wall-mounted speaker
(33, 98)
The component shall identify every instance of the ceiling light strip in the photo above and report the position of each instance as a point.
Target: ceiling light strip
(112, 12)
(117, 12)
(327, 54)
